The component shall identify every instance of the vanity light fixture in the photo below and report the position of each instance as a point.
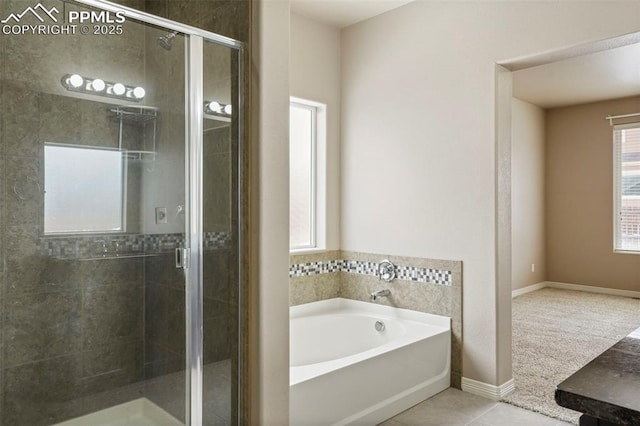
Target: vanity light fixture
(74, 80)
(97, 86)
(216, 108)
(118, 89)
(138, 92)
(213, 107)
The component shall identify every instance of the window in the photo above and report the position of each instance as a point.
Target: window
(306, 175)
(84, 189)
(626, 169)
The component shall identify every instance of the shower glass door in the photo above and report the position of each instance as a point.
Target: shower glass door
(119, 147)
(220, 204)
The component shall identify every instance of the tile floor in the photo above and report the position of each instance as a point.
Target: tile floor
(453, 407)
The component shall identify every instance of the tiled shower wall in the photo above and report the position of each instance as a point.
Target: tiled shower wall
(425, 285)
(72, 330)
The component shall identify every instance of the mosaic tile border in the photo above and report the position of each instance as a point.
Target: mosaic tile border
(79, 247)
(216, 240)
(406, 273)
(314, 268)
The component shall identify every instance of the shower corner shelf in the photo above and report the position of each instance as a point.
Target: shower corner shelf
(218, 117)
(141, 115)
(135, 114)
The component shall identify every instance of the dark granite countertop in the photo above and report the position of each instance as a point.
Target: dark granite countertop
(607, 388)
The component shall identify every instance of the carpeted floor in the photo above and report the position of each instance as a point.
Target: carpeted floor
(555, 333)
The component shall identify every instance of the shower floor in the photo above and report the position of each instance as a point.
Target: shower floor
(140, 412)
(167, 392)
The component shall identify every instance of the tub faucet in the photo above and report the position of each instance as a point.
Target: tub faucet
(380, 293)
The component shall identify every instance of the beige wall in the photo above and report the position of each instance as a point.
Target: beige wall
(315, 75)
(269, 320)
(579, 191)
(527, 194)
(418, 138)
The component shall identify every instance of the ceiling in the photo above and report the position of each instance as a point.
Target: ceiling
(342, 13)
(609, 74)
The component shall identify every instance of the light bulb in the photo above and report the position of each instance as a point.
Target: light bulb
(227, 109)
(139, 92)
(98, 85)
(75, 80)
(214, 107)
(119, 89)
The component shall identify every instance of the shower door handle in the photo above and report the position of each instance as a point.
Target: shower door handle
(182, 258)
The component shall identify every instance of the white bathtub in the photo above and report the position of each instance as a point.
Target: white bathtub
(344, 371)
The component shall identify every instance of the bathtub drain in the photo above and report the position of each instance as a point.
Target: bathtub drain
(380, 326)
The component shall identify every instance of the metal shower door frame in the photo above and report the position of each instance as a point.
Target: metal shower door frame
(194, 188)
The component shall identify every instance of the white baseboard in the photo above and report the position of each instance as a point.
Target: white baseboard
(486, 390)
(592, 289)
(576, 287)
(528, 289)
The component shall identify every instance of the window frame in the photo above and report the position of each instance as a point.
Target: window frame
(318, 175)
(618, 188)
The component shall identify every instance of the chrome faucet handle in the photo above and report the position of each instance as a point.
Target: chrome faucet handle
(386, 270)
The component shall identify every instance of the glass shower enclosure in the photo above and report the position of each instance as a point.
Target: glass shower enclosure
(120, 140)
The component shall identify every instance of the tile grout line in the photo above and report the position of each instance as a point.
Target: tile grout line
(495, 404)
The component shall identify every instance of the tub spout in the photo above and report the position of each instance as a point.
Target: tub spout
(380, 293)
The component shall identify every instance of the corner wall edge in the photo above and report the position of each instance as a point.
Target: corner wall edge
(486, 390)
